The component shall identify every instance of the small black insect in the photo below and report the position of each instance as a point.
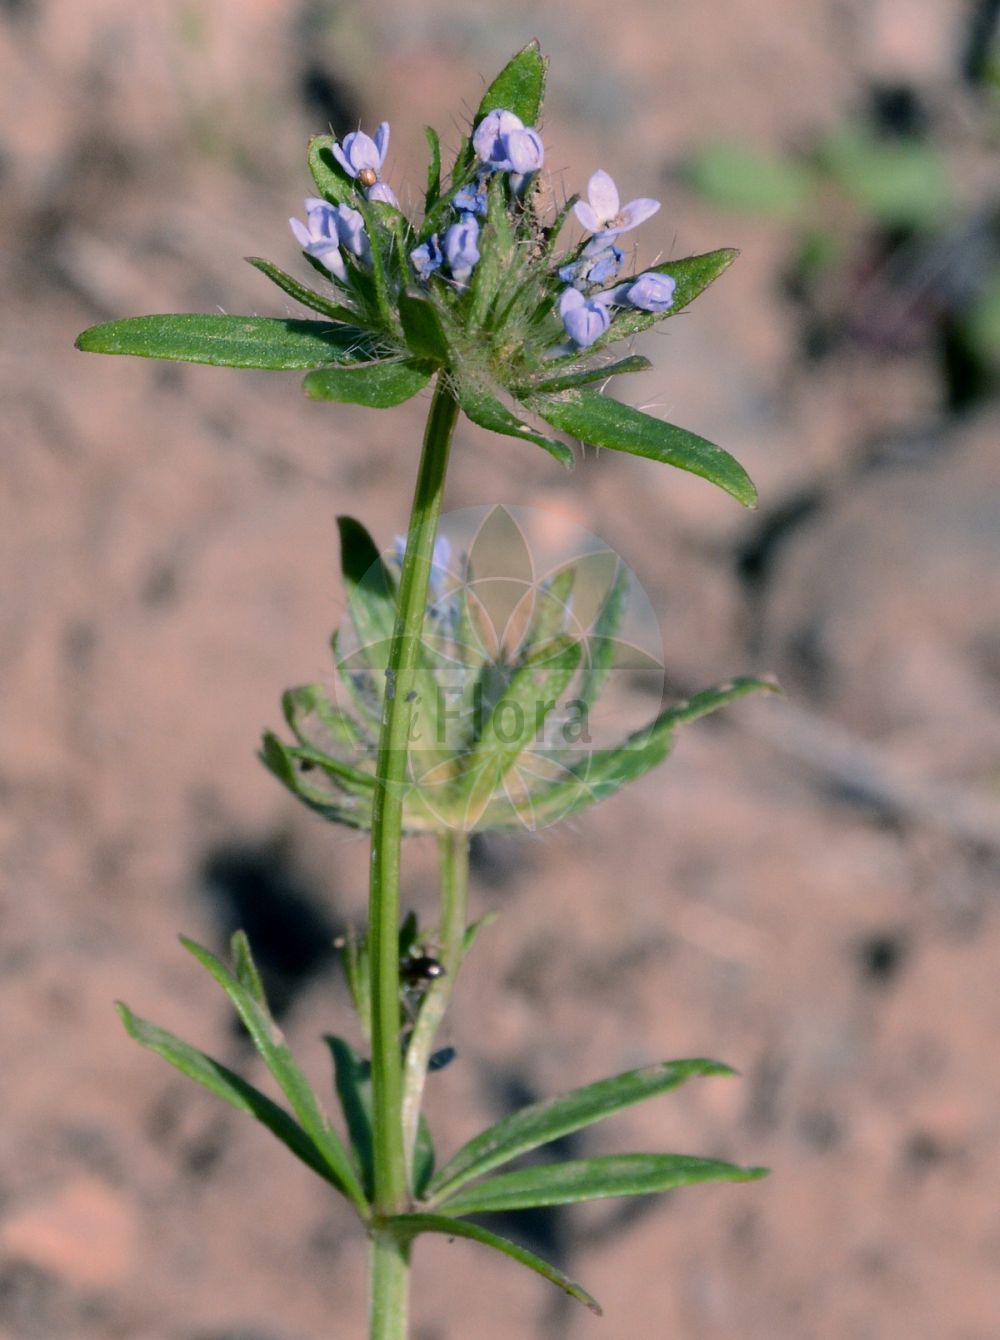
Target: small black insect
(415, 969)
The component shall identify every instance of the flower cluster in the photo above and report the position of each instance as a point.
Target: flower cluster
(501, 144)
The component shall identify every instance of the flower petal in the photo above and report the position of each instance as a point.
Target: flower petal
(361, 152)
(383, 194)
(382, 141)
(569, 299)
(301, 232)
(525, 151)
(603, 196)
(341, 158)
(587, 217)
(638, 211)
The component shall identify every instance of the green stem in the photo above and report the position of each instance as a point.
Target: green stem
(389, 1266)
(454, 855)
(391, 1187)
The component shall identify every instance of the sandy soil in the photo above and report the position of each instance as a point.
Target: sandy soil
(806, 891)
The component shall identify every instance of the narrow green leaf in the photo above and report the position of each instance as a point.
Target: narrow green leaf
(583, 376)
(433, 169)
(230, 341)
(314, 720)
(423, 1157)
(378, 385)
(409, 1226)
(246, 969)
(485, 410)
(306, 296)
(381, 241)
(602, 645)
(269, 1041)
(353, 1084)
(370, 589)
(593, 1179)
(229, 1086)
(550, 612)
(344, 775)
(331, 180)
(691, 274)
(347, 809)
(357, 969)
(497, 248)
(550, 1120)
(606, 771)
(518, 88)
(422, 328)
(604, 422)
(517, 718)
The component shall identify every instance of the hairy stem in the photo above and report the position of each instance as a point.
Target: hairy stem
(391, 1187)
(389, 1266)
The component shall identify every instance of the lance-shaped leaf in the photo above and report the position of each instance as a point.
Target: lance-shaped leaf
(314, 721)
(370, 588)
(246, 969)
(378, 385)
(516, 721)
(433, 168)
(584, 376)
(270, 343)
(306, 296)
(550, 1120)
(550, 612)
(691, 275)
(602, 643)
(422, 328)
(593, 1179)
(409, 1226)
(498, 251)
(488, 412)
(601, 773)
(229, 1086)
(351, 807)
(270, 1042)
(603, 422)
(353, 1083)
(518, 88)
(331, 180)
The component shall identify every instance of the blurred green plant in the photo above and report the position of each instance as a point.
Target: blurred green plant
(878, 240)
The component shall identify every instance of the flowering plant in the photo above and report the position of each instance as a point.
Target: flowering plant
(514, 333)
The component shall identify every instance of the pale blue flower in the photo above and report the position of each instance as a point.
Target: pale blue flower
(361, 156)
(585, 319)
(461, 248)
(351, 231)
(328, 228)
(596, 269)
(505, 144)
(652, 292)
(383, 193)
(427, 258)
(602, 213)
(470, 199)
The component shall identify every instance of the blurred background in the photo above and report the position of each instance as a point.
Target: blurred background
(807, 890)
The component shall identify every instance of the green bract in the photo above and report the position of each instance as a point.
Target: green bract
(385, 331)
